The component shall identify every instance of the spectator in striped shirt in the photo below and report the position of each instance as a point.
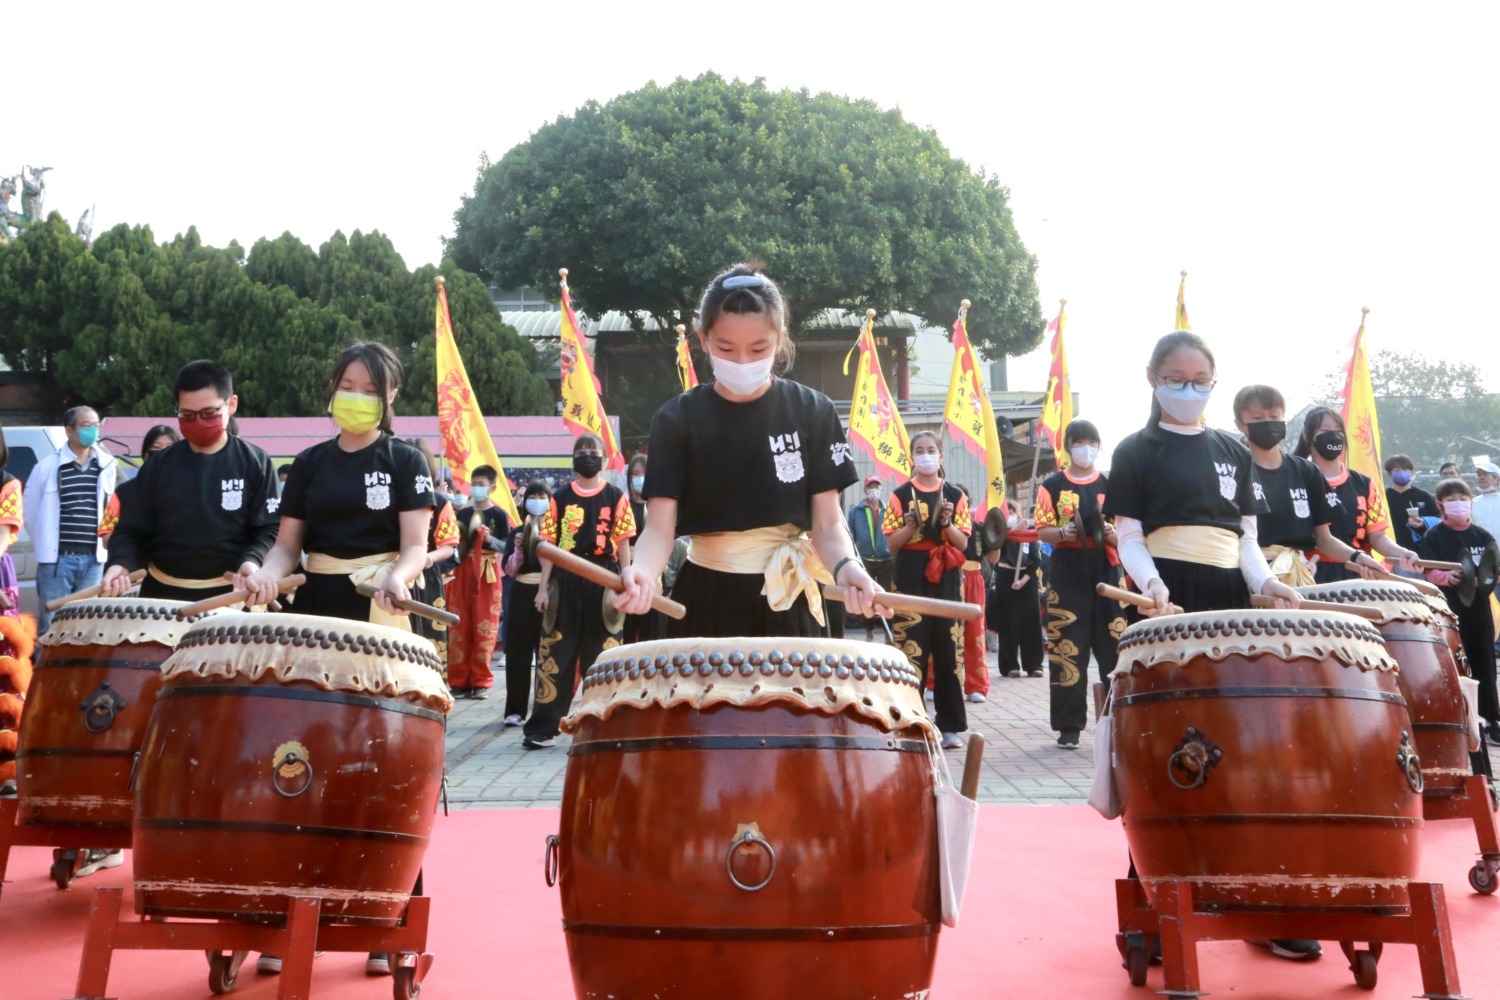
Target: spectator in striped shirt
(65, 499)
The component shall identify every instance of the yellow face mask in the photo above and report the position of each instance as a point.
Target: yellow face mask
(356, 412)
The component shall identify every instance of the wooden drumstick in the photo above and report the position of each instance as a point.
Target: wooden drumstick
(1450, 567)
(88, 592)
(229, 600)
(1131, 597)
(273, 606)
(931, 606)
(413, 607)
(1357, 610)
(973, 757)
(579, 566)
(1420, 584)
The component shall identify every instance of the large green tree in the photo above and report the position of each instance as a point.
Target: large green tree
(1433, 410)
(110, 325)
(646, 197)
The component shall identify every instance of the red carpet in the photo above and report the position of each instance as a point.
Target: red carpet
(1038, 921)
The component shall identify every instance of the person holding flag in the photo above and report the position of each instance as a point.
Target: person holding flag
(686, 373)
(582, 412)
(750, 466)
(971, 417)
(475, 591)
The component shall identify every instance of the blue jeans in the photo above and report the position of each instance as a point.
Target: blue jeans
(71, 573)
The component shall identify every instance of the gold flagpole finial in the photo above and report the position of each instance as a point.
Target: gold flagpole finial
(964, 305)
(1364, 311)
(440, 281)
(1184, 274)
(562, 273)
(870, 315)
(1062, 303)
(681, 330)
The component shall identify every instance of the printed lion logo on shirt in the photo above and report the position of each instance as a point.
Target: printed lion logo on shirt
(1067, 504)
(232, 493)
(1228, 486)
(377, 490)
(1301, 508)
(786, 449)
(572, 520)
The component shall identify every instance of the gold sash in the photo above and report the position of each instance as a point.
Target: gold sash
(1198, 543)
(182, 582)
(366, 569)
(783, 553)
(533, 579)
(1288, 566)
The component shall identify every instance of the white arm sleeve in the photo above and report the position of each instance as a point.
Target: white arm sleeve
(1253, 565)
(1134, 555)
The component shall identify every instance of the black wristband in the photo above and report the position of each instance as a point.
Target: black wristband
(840, 565)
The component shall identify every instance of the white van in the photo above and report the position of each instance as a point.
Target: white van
(27, 447)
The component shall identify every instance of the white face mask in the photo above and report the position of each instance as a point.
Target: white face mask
(741, 379)
(1184, 405)
(1458, 510)
(926, 463)
(1084, 455)
(536, 507)
(1012, 521)
(872, 495)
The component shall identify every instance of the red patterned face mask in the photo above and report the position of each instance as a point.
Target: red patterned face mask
(202, 432)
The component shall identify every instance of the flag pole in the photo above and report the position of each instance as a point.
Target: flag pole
(1036, 460)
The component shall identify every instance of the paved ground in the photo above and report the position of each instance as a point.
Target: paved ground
(488, 769)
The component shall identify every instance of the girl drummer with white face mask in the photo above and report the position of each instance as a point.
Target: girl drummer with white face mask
(750, 466)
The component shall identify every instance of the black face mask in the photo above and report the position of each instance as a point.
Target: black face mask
(588, 466)
(1266, 433)
(1330, 444)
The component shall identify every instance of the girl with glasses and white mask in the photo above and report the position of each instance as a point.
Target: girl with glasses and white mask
(1080, 623)
(750, 466)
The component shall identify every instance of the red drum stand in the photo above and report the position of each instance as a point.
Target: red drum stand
(70, 843)
(1478, 804)
(1179, 927)
(227, 942)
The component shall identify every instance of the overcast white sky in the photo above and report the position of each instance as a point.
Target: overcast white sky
(1301, 160)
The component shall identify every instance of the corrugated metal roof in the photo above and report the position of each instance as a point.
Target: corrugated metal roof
(548, 325)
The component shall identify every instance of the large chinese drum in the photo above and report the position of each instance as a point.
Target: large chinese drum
(290, 756)
(749, 818)
(1265, 757)
(91, 696)
(1417, 635)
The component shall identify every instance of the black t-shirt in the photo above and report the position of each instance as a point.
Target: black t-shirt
(927, 504)
(1358, 508)
(1297, 495)
(351, 502)
(1396, 505)
(198, 516)
(1445, 544)
(1060, 496)
(589, 523)
(1163, 479)
(495, 519)
(736, 466)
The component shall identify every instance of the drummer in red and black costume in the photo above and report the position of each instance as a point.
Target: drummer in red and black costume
(1360, 518)
(1183, 495)
(199, 509)
(592, 519)
(750, 466)
(1080, 623)
(927, 526)
(1294, 532)
(359, 505)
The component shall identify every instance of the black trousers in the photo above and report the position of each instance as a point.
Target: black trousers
(1476, 629)
(942, 639)
(1080, 624)
(1012, 615)
(525, 633)
(578, 636)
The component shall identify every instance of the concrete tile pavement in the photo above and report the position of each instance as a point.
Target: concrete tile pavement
(489, 769)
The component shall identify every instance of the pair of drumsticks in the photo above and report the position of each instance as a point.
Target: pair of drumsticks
(1256, 601)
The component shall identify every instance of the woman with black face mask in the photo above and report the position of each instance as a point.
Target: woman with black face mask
(1296, 534)
(590, 518)
(1357, 503)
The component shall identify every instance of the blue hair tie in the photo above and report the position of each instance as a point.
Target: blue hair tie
(743, 281)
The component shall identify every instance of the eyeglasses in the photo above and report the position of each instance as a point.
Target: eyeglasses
(1178, 384)
(189, 416)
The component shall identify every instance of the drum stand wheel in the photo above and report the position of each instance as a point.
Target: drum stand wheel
(224, 970)
(1363, 963)
(1476, 805)
(1483, 876)
(407, 971)
(65, 865)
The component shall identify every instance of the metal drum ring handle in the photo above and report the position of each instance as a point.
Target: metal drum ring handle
(291, 757)
(100, 708)
(1196, 755)
(744, 840)
(1410, 764)
(549, 865)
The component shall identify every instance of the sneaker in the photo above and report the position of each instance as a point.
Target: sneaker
(7, 789)
(1293, 951)
(538, 742)
(513, 720)
(479, 694)
(458, 693)
(378, 964)
(1493, 732)
(1013, 673)
(100, 860)
(1033, 673)
(951, 741)
(1068, 738)
(268, 965)
(977, 698)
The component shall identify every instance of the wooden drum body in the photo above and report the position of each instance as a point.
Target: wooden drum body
(1419, 635)
(1265, 757)
(749, 818)
(91, 696)
(289, 756)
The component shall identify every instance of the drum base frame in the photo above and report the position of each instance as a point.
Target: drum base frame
(227, 942)
(70, 843)
(1475, 803)
(1179, 927)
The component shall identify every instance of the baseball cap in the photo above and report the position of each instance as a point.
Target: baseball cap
(1489, 467)
(873, 478)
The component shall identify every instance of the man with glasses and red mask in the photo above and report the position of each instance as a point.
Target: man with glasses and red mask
(201, 509)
